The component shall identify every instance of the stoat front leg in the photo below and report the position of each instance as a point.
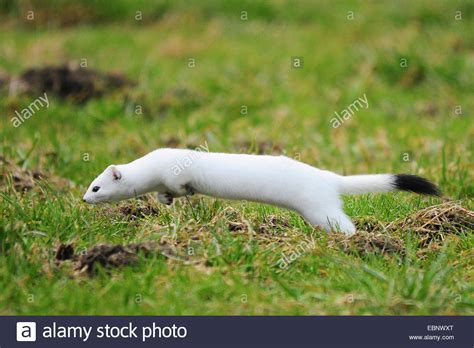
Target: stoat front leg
(165, 198)
(180, 189)
(188, 189)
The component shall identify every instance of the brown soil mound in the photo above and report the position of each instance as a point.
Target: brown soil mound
(134, 212)
(4, 79)
(137, 209)
(75, 83)
(110, 256)
(23, 180)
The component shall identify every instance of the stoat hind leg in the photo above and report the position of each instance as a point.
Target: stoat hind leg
(165, 198)
(331, 220)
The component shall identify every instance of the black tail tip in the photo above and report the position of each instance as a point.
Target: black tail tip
(417, 184)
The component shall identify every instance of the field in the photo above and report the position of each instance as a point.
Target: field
(238, 76)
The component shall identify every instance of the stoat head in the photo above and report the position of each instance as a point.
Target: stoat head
(109, 186)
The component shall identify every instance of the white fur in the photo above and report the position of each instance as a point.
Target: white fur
(277, 180)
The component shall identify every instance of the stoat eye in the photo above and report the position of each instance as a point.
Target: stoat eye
(95, 188)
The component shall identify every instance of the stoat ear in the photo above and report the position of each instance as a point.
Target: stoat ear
(115, 172)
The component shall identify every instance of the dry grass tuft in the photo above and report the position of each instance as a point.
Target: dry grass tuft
(434, 224)
(370, 224)
(273, 224)
(364, 243)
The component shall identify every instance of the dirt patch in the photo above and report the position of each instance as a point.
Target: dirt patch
(273, 224)
(110, 256)
(364, 243)
(4, 79)
(65, 252)
(23, 180)
(172, 142)
(260, 147)
(412, 74)
(191, 144)
(234, 220)
(427, 108)
(236, 226)
(55, 13)
(134, 212)
(75, 83)
(182, 99)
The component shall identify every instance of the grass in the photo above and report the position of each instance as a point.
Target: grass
(240, 63)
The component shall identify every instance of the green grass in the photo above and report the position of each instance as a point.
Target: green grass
(240, 63)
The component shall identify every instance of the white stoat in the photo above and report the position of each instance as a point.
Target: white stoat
(278, 180)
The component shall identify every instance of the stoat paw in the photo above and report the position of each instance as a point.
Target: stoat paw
(165, 198)
(348, 230)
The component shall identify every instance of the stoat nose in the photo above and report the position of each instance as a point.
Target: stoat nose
(83, 199)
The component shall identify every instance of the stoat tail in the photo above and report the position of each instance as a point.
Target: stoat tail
(358, 184)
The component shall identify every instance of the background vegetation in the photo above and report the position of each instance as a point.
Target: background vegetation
(223, 254)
